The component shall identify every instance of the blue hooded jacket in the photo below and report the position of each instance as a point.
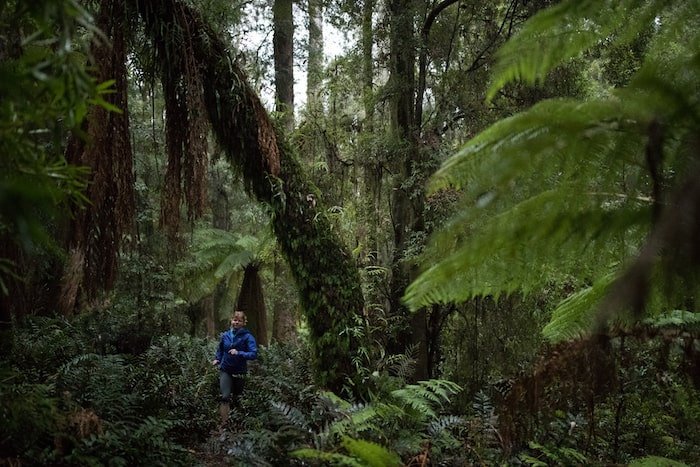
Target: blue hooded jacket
(241, 340)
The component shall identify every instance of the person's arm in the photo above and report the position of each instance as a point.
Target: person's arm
(252, 352)
(219, 352)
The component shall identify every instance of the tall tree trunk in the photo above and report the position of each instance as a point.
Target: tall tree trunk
(221, 219)
(407, 198)
(252, 301)
(283, 51)
(284, 327)
(325, 274)
(370, 204)
(314, 64)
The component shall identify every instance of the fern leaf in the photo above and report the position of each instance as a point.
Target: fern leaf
(290, 416)
(575, 315)
(425, 396)
(565, 30)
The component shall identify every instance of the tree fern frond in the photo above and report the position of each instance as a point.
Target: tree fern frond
(575, 315)
(548, 138)
(514, 250)
(563, 31)
(217, 255)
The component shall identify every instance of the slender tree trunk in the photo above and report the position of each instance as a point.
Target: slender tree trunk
(407, 198)
(283, 325)
(325, 274)
(314, 70)
(283, 50)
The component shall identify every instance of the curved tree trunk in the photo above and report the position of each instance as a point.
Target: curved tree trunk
(323, 269)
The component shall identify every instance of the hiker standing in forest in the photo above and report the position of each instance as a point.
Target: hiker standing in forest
(236, 347)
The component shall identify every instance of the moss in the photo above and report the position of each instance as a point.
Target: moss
(327, 280)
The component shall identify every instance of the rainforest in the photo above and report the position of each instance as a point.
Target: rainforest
(461, 232)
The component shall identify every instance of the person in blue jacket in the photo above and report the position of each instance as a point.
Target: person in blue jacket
(236, 347)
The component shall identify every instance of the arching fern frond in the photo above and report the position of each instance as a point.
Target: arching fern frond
(575, 316)
(515, 250)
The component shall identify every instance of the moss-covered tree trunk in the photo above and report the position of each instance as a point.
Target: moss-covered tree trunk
(326, 277)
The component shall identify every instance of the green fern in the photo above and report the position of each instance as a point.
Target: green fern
(575, 316)
(426, 396)
(565, 188)
(217, 256)
(290, 416)
(566, 30)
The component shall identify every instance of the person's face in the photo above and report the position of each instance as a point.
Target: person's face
(237, 322)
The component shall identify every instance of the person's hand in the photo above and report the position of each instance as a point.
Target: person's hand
(233, 351)
(215, 362)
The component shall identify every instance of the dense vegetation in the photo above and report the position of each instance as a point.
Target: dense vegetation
(475, 243)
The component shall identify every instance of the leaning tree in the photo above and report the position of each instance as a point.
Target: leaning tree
(205, 88)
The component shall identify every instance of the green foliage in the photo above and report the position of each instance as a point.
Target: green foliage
(656, 461)
(45, 92)
(425, 396)
(67, 402)
(29, 415)
(562, 31)
(565, 188)
(370, 453)
(217, 256)
(574, 316)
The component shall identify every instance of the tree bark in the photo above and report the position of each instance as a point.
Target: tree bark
(283, 51)
(314, 70)
(323, 269)
(407, 193)
(96, 231)
(252, 301)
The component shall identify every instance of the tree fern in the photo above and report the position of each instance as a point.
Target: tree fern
(217, 256)
(570, 187)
